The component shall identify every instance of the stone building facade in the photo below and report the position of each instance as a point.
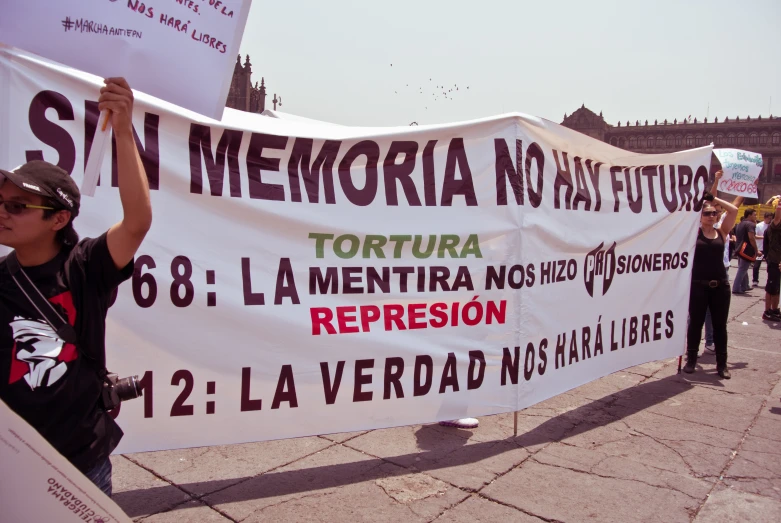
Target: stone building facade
(759, 135)
(242, 94)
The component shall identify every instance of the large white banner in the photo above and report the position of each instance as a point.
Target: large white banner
(163, 47)
(304, 278)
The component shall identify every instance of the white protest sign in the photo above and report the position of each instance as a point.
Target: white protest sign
(303, 278)
(179, 50)
(741, 170)
(38, 484)
(182, 51)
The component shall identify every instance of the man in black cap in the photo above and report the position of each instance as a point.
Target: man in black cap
(54, 381)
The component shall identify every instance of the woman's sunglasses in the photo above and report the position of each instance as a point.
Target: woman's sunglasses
(18, 207)
(710, 213)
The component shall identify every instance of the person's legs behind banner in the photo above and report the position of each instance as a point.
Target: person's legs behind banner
(741, 278)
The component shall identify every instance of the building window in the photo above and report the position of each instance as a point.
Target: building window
(678, 140)
(633, 142)
(622, 143)
(719, 139)
(730, 139)
(699, 140)
(613, 141)
(659, 142)
(641, 143)
(753, 139)
(709, 139)
(689, 141)
(776, 140)
(670, 140)
(741, 139)
(763, 139)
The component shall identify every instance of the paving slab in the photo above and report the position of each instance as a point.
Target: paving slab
(753, 371)
(734, 412)
(703, 450)
(186, 512)
(337, 483)
(444, 453)
(726, 505)
(755, 329)
(768, 425)
(611, 384)
(202, 470)
(482, 510)
(139, 492)
(536, 431)
(756, 467)
(648, 369)
(563, 494)
(341, 437)
(563, 404)
(624, 466)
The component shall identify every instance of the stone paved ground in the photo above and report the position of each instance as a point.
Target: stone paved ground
(643, 444)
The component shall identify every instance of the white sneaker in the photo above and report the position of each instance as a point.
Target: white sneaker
(709, 347)
(463, 423)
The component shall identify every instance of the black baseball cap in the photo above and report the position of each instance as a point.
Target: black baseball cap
(47, 180)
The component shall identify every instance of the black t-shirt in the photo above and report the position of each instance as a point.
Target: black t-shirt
(742, 231)
(708, 262)
(52, 384)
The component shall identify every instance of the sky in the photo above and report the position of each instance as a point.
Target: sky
(372, 63)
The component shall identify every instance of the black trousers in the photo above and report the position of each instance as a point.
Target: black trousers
(717, 300)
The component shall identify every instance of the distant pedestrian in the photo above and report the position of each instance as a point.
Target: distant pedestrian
(746, 250)
(760, 235)
(773, 258)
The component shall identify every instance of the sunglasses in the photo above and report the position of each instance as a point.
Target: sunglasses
(710, 213)
(18, 207)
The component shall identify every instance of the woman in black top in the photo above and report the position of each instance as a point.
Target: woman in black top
(710, 286)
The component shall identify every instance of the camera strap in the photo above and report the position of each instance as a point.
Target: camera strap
(44, 307)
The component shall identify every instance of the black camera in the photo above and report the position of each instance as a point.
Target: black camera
(117, 390)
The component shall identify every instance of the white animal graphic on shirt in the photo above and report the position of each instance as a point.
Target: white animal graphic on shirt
(38, 346)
